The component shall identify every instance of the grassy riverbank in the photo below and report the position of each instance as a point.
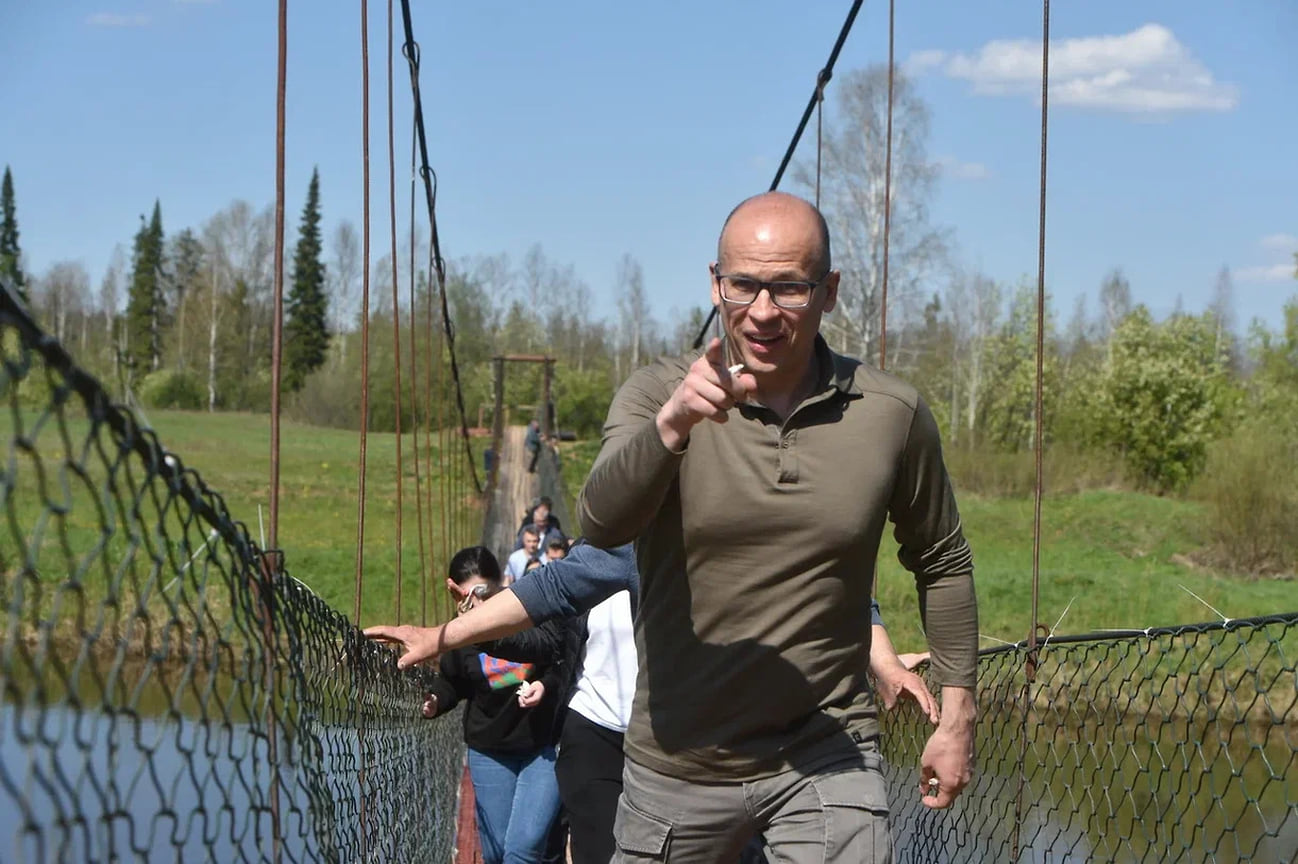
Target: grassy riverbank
(1111, 558)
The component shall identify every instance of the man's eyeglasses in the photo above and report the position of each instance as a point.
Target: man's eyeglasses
(743, 290)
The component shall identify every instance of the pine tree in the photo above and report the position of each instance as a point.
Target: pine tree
(10, 255)
(186, 261)
(146, 307)
(306, 333)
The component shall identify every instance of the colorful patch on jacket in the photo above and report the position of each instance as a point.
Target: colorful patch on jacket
(504, 673)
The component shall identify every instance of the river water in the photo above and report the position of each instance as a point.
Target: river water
(78, 786)
(1125, 793)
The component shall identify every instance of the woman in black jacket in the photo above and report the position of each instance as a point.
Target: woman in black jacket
(510, 725)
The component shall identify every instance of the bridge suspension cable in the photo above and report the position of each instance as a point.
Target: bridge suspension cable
(410, 49)
(1038, 432)
(396, 314)
(365, 308)
(887, 192)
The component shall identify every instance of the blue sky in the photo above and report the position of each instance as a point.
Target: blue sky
(596, 129)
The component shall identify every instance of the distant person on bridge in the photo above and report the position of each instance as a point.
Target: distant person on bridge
(590, 763)
(756, 482)
(557, 548)
(545, 524)
(529, 517)
(518, 560)
(533, 444)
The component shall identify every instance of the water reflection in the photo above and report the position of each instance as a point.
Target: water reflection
(87, 786)
(1124, 792)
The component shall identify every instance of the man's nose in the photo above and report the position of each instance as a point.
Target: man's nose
(763, 308)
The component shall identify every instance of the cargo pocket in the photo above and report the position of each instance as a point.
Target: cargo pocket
(855, 807)
(640, 836)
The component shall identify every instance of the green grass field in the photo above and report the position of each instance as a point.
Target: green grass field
(1113, 559)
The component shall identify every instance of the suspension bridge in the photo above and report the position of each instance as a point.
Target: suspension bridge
(171, 691)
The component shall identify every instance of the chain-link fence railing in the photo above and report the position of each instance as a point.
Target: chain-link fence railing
(169, 692)
(1174, 744)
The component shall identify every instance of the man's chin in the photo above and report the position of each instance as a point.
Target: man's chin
(762, 364)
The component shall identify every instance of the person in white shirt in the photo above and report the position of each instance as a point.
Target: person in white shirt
(589, 765)
(517, 563)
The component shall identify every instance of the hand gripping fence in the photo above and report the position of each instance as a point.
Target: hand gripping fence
(170, 692)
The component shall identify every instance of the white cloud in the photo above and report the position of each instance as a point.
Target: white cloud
(1282, 242)
(958, 170)
(1146, 71)
(1265, 273)
(114, 19)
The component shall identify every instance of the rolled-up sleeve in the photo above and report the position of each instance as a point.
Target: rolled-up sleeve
(578, 583)
(934, 549)
(634, 469)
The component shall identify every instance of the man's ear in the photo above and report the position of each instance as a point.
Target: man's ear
(831, 291)
(456, 591)
(716, 285)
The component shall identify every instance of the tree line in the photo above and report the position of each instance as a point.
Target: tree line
(185, 322)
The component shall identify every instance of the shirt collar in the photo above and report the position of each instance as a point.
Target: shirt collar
(835, 370)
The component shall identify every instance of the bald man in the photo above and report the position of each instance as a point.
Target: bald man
(755, 482)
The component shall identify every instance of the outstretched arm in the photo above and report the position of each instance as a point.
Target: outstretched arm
(560, 589)
(544, 643)
(500, 616)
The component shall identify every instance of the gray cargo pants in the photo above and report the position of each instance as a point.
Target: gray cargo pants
(837, 814)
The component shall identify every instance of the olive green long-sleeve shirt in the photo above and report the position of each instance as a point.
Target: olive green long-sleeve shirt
(756, 548)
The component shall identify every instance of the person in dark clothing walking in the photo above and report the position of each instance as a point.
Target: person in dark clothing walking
(533, 444)
(510, 724)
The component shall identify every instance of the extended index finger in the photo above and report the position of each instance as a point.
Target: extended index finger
(714, 354)
(738, 384)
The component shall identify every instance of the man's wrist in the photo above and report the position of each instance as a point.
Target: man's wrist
(959, 709)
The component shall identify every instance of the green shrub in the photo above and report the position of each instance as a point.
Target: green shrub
(581, 401)
(1163, 397)
(1250, 489)
(169, 388)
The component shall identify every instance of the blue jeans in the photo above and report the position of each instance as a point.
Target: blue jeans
(517, 799)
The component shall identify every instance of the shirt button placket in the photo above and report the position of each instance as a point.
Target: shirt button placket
(788, 459)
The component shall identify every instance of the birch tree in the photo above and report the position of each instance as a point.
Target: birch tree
(853, 201)
(1115, 304)
(634, 318)
(1222, 311)
(346, 250)
(974, 304)
(63, 294)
